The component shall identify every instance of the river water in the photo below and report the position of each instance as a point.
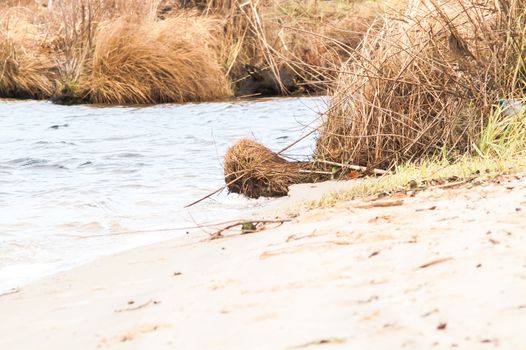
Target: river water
(67, 173)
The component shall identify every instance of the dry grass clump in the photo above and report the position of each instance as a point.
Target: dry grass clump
(309, 39)
(426, 83)
(314, 38)
(108, 51)
(45, 44)
(149, 62)
(26, 71)
(253, 170)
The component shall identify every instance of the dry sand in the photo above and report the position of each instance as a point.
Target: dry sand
(441, 270)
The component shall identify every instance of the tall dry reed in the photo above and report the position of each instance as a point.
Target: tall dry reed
(425, 83)
(26, 70)
(310, 39)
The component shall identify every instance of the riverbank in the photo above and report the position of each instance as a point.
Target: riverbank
(443, 268)
(161, 51)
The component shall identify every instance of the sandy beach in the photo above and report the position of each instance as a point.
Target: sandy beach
(442, 269)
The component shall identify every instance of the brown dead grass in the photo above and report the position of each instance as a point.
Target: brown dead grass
(26, 70)
(144, 62)
(425, 84)
(314, 38)
(308, 38)
(253, 170)
(110, 51)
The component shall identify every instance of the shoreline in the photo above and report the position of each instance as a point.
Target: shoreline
(441, 269)
(69, 153)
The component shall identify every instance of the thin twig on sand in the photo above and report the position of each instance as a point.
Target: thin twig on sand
(151, 301)
(455, 184)
(435, 262)
(247, 226)
(381, 204)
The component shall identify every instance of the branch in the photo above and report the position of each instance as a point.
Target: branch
(353, 167)
(252, 223)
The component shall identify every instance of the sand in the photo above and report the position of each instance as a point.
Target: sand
(441, 270)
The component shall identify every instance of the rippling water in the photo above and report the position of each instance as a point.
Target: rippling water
(69, 172)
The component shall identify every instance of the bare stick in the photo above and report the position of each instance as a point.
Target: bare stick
(435, 262)
(383, 204)
(353, 167)
(219, 233)
(209, 195)
(300, 139)
(151, 301)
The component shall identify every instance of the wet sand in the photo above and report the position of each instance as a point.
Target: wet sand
(443, 269)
